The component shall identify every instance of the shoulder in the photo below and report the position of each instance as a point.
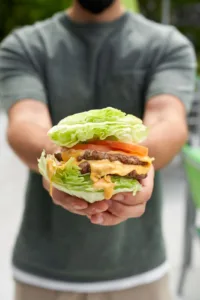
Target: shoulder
(33, 37)
(151, 30)
(156, 35)
(158, 42)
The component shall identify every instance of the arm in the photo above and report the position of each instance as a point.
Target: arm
(21, 81)
(29, 121)
(166, 118)
(169, 96)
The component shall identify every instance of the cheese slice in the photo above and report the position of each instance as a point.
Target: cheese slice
(101, 168)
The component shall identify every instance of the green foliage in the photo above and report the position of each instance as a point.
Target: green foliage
(184, 15)
(16, 13)
(131, 5)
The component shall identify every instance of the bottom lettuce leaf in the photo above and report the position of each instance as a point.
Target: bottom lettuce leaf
(69, 180)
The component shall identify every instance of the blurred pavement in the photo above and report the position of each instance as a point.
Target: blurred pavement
(12, 179)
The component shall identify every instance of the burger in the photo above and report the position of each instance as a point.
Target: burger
(100, 155)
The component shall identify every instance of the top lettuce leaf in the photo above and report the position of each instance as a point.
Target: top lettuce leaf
(108, 114)
(98, 124)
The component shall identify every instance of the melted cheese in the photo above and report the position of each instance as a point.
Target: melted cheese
(66, 155)
(52, 166)
(100, 169)
(105, 184)
(51, 169)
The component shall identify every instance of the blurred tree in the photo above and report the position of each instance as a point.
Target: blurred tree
(15, 13)
(131, 5)
(185, 14)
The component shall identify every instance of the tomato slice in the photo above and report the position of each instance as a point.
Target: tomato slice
(102, 148)
(106, 146)
(125, 147)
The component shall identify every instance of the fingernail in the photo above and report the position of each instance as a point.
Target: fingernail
(99, 220)
(118, 198)
(78, 207)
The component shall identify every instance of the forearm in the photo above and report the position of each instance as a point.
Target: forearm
(168, 132)
(28, 140)
(165, 141)
(29, 122)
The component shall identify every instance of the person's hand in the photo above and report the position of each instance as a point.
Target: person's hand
(126, 206)
(76, 205)
(108, 212)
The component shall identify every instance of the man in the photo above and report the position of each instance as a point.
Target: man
(94, 55)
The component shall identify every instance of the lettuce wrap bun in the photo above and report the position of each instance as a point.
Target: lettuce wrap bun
(99, 155)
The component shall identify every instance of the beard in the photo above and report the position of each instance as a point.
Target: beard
(95, 6)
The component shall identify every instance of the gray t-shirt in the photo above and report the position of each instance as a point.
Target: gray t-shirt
(75, 67)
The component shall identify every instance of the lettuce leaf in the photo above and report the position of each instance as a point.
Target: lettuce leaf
(71, 181)
(98, 124)
(108, 114)
(70, 135)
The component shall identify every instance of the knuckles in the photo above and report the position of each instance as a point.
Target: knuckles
(124, 212)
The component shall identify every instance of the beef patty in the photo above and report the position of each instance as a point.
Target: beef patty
(85, 169)
(98, 155)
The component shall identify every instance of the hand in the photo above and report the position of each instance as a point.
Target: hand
(76, 205)
(125, 206)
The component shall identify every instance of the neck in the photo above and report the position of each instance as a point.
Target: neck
(79, 14)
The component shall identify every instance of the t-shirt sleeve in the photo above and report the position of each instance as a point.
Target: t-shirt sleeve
(20, 77)
(175, 70)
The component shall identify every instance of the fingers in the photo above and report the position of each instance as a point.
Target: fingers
(96, 208)
(66, 201)
(129, 200)
(46, 184)
(106, 219)
(117, 214)
(124, 206)
(75, 205)
(123, 211)
(141, 197)
(149, 179)
(108, 213)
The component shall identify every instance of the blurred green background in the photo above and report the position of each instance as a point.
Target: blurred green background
(14, 13)
(184, 14)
